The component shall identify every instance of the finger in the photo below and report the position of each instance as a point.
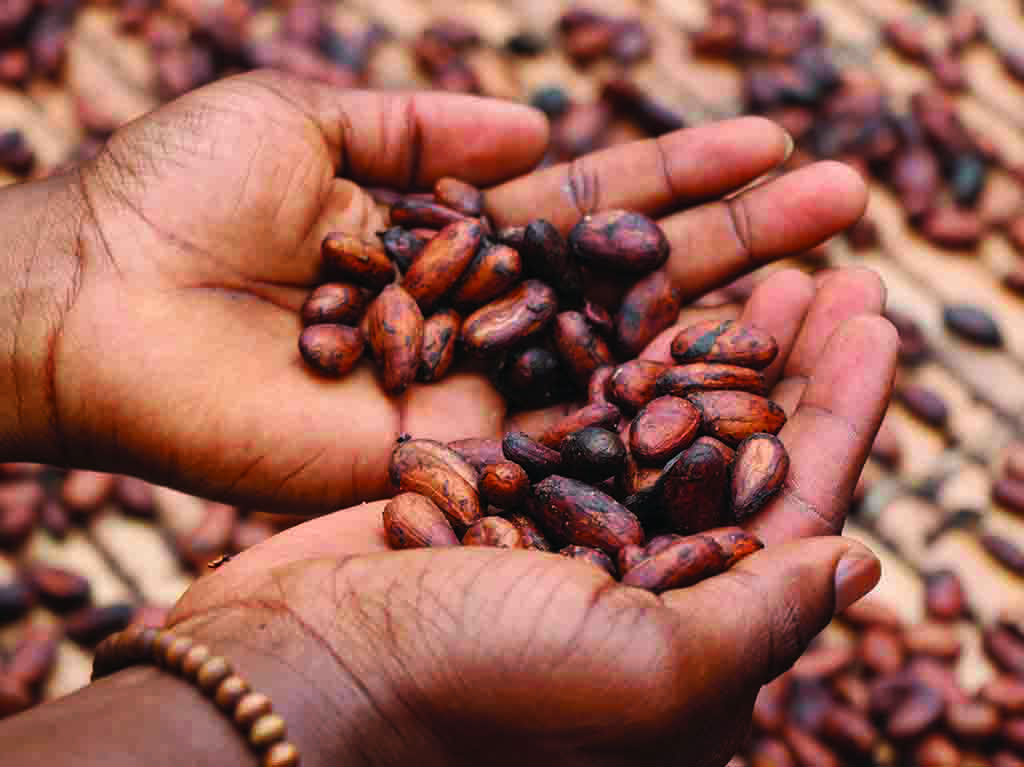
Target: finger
(714, 244)
(778, 306)
(409, 140)
(648, 176)
(830, 434)
(845, 293)
(779, 598)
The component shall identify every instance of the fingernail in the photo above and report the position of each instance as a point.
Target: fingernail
(789, 147)
(855, 576)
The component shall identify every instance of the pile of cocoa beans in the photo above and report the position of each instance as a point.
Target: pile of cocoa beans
(648, 481)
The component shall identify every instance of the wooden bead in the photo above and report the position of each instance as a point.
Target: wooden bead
(176, 652)
(251, 707)
(214, 670)
(193, 659)
(268, 729)
(230, 691)
(160, 645)
(282, 754)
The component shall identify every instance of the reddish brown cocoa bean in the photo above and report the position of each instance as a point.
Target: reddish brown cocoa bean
(16, 597)
(478, 451)
(973, 720)
(907, 38)
(440, 334)
(504, 484)
(681, 380)
(341, 302)
(538, 460)
(605, 415)
(331, 350)
(493, 531)
(426, 453)
(459, 196)
(210, 538)
(546, 256)
(403, 245)
(694, 488)
(511, 319)
(59, 589)
(597, 388)
(944, 596)
(594, 557)
(850, 688)
(395, 333)
(1004, 551)
(848, 728)
(431, 469)
(442, 261)
(629, 556)
(411, 213)
(639, 106)
(771, 752)
(648, 308)
(134, 496)
(937, 676)
(947, 70)
(732, 416)
(1006, 649)
(938, 640)
(90, 625)
(769, 714)
(85, 491)
(725, 341)
(598, 317)
(808, 749)
(937, 750)
(587, 42)
(494, 270)
(918, 712)
(1009, 492)
(576, 513)
(953, 227)
(759, 471)
(964, 27)
(20, 503)
(592, 454)
(358, 260)
(916, 178)
(913, 344)
(582, 350)
(736, 543)
(881, 650)
(632, 384)
(619, 241)
(412, 521)
(55, 518)
(533, 538)
(34, 656)
(1006, 692)
(637, 479)
(683, 563)
(665, 426)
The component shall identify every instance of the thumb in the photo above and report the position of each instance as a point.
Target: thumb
(770, 606)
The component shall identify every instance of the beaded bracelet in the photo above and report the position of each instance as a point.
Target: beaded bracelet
(251, 711)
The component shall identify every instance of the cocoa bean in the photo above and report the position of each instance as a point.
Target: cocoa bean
(16, 155)
(906, 38)
(736, 543)
(412, 521)
(14, 696)
(597, 387)
(594, 557)
(440, 333)
(1006, 758)
(1005, 552)
(402, 245)
(531, 377)
(587, 42)
(848, 728)
(16, 597)
(938, 640)
(134, 496)
(493, 271)
(456, 497)
(478, 451)
(533, 538)
(516, 316)
(210, 538)
(538, 460)
(395, 334)
(581, 129)
(769, 713)
(968, 171)
(55, 518)
(771, 752)
(881, 650)
(411, 213)
(619, 241)
(34, 657)
(605, 415)
(665, 426)
(682, 563)
(954, 228)
(592, 454)
(636, 478)
(937, 750)
(85, 491)
(59, 589)
(1009, 493)
(576, 513)
(442, 261)
(513, 236)
(493, 531)
(633, 384)
(725, 341)
(331, 350)
(944, 596)
(89, 625)
(939, 677)
(582, 350)
(920, 710)
(808, 749)
(694, 488)
(973, 324)
(341, 302)
(973, 720)
(20, 503)
(681, 380)
(504, 484)
(916, 179)
(913, 344)
(863, 235)
(1006, 692)
(634, 103)
(732, 416)
(357, 260)
(925, 404)
(547, 257)
(629, 556)
(824, 661)
(1013, 734)
(598, 317)
(964, 27)
(459, 196)
(415, 454)
(853, 690)
(758, 473)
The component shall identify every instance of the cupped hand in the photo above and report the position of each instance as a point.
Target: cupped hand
(175, 355)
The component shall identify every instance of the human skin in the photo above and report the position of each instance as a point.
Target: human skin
(149, 327)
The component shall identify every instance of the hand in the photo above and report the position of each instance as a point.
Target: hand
(171, 350)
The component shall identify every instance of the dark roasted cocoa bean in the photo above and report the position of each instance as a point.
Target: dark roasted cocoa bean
(694, 489)
(881, 650)
(332, 350)
(134, 496)
(973, 324)
(412, 520)
(634, 103)
(598, 317)
(592, 454)
(440, 334)
(358, 260)
(938, 676)
(16, 597)
(478, 451)
(538, 460)
(732, 416)
(55, 518)
(581, 129)
(597, 387)
(411, 212)
(619, 241)
(494, 270)
(680, 380)
(402, 245)
(511, 319)
(59, 589)
(636, 478)
(503, 484)
(395, 334)
(533, 538)
(759, 471)
(582, 350)
(916, 179)
(546, 256)
(442, 261)
(90, 625)
(682, 563)
(341, 302)
(925, 404)
(576, 513)
(913, 344)
(725, 341)
(665, 426)
(736, 543)
(1004, 551)
(633, 384)
(513, 236)
(459, 196)
(493, 531)
(594, 557)
(603, 414)
(1009, 493)
(532, 377)
(16, 155)
(85, 491)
